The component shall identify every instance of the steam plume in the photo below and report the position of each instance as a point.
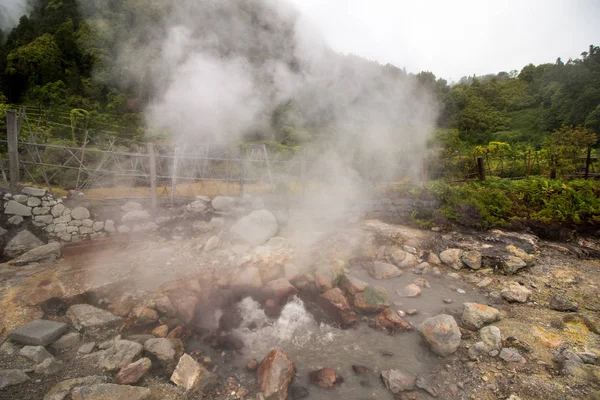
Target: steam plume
(11, 11)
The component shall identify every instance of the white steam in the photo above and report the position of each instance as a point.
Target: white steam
(11, 11)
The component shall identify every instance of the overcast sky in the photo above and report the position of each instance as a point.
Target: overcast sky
(454, 38)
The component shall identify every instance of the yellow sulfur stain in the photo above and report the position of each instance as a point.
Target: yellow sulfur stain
(546, 338)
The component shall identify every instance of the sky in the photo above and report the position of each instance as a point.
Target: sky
(455, 38)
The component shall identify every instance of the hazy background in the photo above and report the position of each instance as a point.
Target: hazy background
(457, 38)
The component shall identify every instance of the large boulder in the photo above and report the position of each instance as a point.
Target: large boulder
(224, 204)
(441, 333)
(381, 270)
(191, 376)
(46, 253)
(275, 374)
(256, 228)
(133, 372)
(119, 355)
(136, 216)
(10, 377)
(15, 208)
(336, 308)
(91, 317)
(39, 332)
(166, 351)
(390, 321)
(397, 381)
(21, 243)
(452, 258)
(476, 315)
(63, 389)
(515, 293)
(372, 299)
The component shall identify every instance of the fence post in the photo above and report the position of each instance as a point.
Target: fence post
(152, 161)
(241, 170)
(425, 169)
(12, 136)
(588, 162)
(481, 168)
(174, 173)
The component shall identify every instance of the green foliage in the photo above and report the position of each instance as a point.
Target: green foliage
(565, 144)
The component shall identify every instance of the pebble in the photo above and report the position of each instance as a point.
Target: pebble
(461, 291)
(448, 301)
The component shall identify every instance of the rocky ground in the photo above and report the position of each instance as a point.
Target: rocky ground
(155, 316)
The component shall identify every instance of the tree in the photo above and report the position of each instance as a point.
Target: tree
(564, 145)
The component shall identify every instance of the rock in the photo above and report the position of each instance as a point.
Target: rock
(515, 293)
(441, 333)
(325, 377)
(144, 315)
(62, 390)
(35, 192)
(34, 202)
(329, 274)
(8, 348)
(109, 391)
(275, 374)
(131, 206)
(98, 226)
(381, 270)
(40, 210)
(14, 208)
(161, 331)
(15, 220)
(120, 354)
(80, 213)
(336, 307)
(164, 306)
(49, 366)
(136, 216)
(391, 321)
(91, 317)
(59, 228)
(409, 261)
(397, 381)
(224, 204)
(20, 198)
(472, 259)
(512, 355)
(109, 226)
(133, 372)
(422, 283)
(150, 227)
(66, 219)
(67, 341)
(197, 207)
(352, 285)
(44, 219)
(184, 302)
(122, 305)
(477, 315)
(87, 348)
(10, 377)
(491, 337)
(433, 259)
(39, 332)
(192, 376)
(410, 290)
(166, 351)
(88, 223)
(212, 243)
(560, 302)
(217, 222)
(252, 365)
(37, 354)
(477, 350)
(372, 299)
(361, 369)
(513, 264)
(47, 253)
(256, 228)
(21, 243)
(485, 282)
(280, 290)
(57, 210)
(452, 258)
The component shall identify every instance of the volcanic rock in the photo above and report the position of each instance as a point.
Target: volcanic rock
(513, 264)
(192, 376)
(410, 290)
(325, 377)
(105, 391)
(275, 373)
(15, 208)
(352, 285)
(133, 372)
(10, 377)
(92, 317)
(441, 333)
(327, 275)
(477, 315)
(256, 228)
(49, 366)
(515, 293)
(381, 270)
(389, 320)
(280, 290)
(512, 355)
(119, 355)
(184, 302)
(491, 337)
(21, 243)
(224, 204)
(372, 299)
(39, 332)
(336, 307)
(62, 390)
(35, 192)
(144, 315)
(166, 351)
(452, 258)
(80, 213)
(66, 341)
(161, 331)
(37, 354)
(560, 302)
(472, 259)
(397, 381)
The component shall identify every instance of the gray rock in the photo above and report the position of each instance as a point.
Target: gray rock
(45, 219)
(80, 213)
(162, 220)
(256, 228)
(29, 191)
(123, 229)
(166, 351)
(60, 228)
(3, 231)
(511, 355)
(120, 354)
(515, 293)
(72, 229)
(472, 259)
(62, 390)
(34, 202)
(221, 203)
(37, 354)
(57, 210)
(8, 348)
(20, 198)
(381, 270)
(491, 337)
(477, 350)
(15, 220)
(109, 226)
(14, 208)
(441, 333)
(84, 230)
(49, 366)
(109, 391)
(98, 226)
(588, 358)
(131, 206)
(39, 332)
(86, 348)
(397, 381)
(477, 315)
(197, 206)
(75, 222)
(65, 219)
(91, 317)
(150, 227)
(10, 377)
(217, 222)
(88, 223)
(67, 341)
(136, 216)
(46, 253)
(41, 210)
(452, 258)
(192, 376)
(513, 264)
(560, 302)
(212, 243)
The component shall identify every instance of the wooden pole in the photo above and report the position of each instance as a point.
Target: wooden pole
(481, 168)
(152, 161)
(241, 170)
(81, 160)
(174, 174)
(12, 136)
(268, 166)
(588, 162)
